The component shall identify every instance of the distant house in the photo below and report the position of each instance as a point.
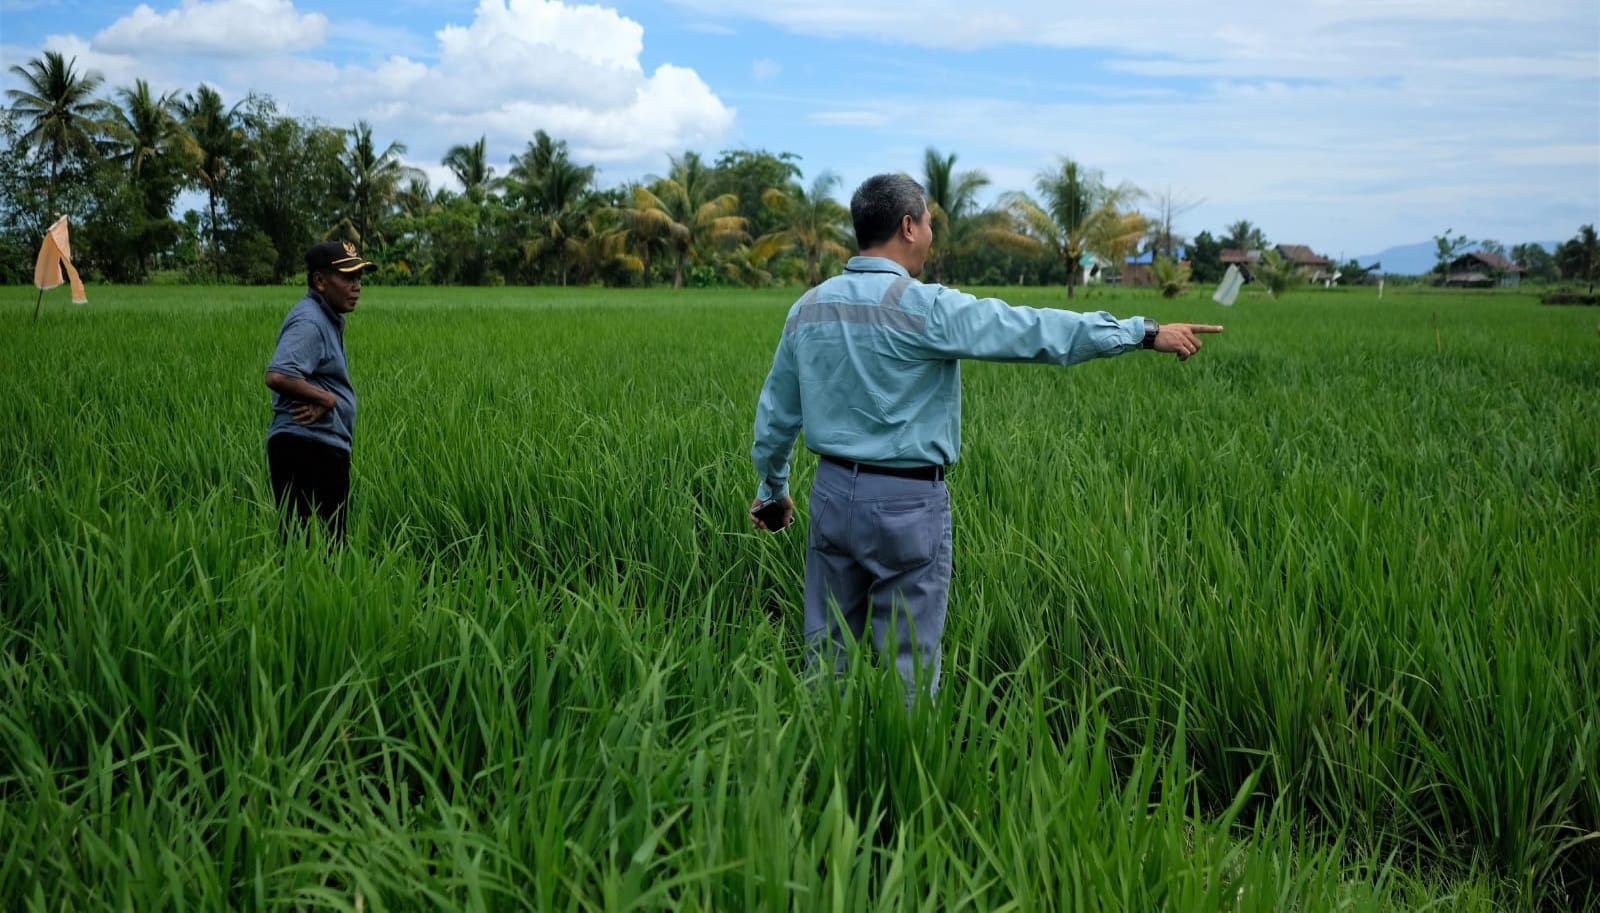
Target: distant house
(1093, 268)
(1137, 270)
(1245, 260)
(1483, 269)
(1316, 267)
(1313, 264)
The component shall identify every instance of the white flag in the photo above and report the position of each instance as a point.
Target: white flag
(1228, 291)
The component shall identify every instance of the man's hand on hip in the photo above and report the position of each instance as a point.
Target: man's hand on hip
(309, 413)
(1182, 339)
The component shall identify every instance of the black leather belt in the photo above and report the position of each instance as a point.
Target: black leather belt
(925, 473)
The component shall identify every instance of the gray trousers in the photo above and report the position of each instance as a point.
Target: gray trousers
(878, 552)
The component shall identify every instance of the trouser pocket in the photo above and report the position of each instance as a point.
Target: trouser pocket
(906, 534)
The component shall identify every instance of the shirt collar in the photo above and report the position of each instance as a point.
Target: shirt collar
(876, 265)
(334, 316)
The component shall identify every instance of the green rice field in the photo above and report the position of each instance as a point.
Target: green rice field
(1310, 622)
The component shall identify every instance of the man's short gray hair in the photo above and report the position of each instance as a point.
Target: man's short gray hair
(879, 205)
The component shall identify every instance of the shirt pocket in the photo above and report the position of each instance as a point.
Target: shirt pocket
(905, 533)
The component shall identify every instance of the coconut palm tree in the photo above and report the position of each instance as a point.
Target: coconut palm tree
(146, 139)
(375, 178)
(958, 225)
(552, 195)
(685, 210)
(470, 165)
(60, 113)
(1242, 235)
(1079, 214)
(145, 130)
(814, 224)
(217, 143)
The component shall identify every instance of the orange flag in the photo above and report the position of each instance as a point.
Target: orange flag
(55, 258)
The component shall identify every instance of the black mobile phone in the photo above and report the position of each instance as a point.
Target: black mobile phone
(771, 515)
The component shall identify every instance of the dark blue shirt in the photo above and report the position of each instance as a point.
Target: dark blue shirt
(311, 347)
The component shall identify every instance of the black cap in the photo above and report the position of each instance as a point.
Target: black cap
(336, 255)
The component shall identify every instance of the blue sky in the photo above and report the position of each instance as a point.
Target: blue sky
(1349, 125)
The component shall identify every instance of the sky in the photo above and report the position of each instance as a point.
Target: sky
(1348, 125)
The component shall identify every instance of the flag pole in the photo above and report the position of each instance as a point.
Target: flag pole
(38, 301)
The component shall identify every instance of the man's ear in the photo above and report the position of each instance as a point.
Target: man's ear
(908, 228)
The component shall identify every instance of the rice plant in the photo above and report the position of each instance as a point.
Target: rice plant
(1309, 622)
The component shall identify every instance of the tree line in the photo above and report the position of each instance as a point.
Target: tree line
(273, 184)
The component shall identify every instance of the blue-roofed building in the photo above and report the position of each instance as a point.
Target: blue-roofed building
(1136, 269)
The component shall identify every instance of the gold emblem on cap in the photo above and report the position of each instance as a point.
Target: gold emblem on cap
(350, 249)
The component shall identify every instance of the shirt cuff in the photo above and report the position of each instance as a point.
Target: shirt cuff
(1132, 335)
(767, 492)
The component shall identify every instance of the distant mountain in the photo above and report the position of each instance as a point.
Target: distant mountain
(1419, 258)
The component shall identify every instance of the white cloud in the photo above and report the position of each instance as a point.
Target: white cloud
(517, 66)
(573, 71)
(1177, 27)
(225, 28)
(1344, 123)
(116, 69)
(765, 68)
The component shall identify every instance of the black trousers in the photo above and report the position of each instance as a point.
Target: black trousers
(309, 479)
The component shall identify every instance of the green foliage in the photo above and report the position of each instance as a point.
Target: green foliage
(687, 215)
(288, 189)
(370, 187)
(292, 181)
(1205, 258)
(813, 226)
(1578, 259)
(1213, 659)
(750, 173)
(1538, 262)
(1171, 279)
(959, 226)
(1242, 235)
(23, 180)
(1446, 250)
(1079, 214)
(1278, 275)
(58, 114)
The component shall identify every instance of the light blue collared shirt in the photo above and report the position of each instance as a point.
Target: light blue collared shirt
(869, 366)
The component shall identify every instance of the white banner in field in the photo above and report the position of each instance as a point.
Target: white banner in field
(1228, 291)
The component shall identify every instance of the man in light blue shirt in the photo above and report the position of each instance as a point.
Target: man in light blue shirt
(869, 368)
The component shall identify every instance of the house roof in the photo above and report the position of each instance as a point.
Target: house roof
(1234, 255)
(1488, 258)
(1300, 253)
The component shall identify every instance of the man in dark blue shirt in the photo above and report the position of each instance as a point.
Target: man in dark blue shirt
(313, 404)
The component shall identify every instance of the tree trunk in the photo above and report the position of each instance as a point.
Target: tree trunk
(50, 196)
(216, 261)
(677, 276)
